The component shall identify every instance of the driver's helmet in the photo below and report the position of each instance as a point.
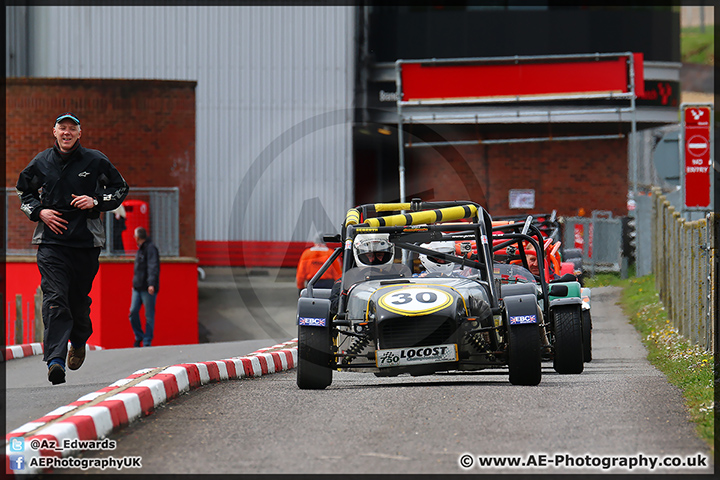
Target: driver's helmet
(435, 264)
(373, 249)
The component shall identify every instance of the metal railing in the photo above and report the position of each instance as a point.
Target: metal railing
(160, 216)
(600, 238)
(682, 260)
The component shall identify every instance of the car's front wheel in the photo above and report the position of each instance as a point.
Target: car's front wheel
(524, 354)
(314, 355)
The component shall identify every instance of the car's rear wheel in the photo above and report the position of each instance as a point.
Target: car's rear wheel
(314, 355)
(568, 339)
(524, 354)
(587, 335)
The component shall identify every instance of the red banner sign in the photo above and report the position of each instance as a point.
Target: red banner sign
(425, 81)
(697, 168)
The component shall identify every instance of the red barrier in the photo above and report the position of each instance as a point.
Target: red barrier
(176, 310)
(22, 278)
(250, 254)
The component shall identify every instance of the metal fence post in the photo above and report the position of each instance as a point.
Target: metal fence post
(687, 260)
(18, 320)
(39, 324)
(699, 280)
(712, 279)
(672, 254)
(684, 262)
(644, 232)
(667, 238)
(667, 251)
(656, 237)
(681, 274)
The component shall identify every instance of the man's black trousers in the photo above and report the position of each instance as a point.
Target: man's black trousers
(67, 276)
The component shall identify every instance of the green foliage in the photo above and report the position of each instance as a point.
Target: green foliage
(687, 366)
(697, 46)
(609, 279)
(604, 280)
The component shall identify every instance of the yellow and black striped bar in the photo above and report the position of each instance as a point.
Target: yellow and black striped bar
(449, 214)
(392, 207)
(352, 217)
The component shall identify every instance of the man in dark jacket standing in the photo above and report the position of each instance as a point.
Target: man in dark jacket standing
(64, 189)
(146, 283)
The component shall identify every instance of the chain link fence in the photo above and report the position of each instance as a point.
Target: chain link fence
(683, 256)
(599, 237)
(155, 209)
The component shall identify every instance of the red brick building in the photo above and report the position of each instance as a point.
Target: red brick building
(565, 176)
(147, 129)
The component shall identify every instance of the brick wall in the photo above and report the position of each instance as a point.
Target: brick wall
(146, 128)
(566, 176)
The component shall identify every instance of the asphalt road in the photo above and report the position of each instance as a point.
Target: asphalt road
(242, 304)
(29, 395)
(620, 407)
(240, 311)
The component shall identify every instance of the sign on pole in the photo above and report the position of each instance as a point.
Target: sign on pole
(696, 154)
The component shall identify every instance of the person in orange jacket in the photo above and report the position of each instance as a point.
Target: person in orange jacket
(310, 262)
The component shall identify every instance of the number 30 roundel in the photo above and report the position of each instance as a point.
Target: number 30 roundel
(415, 300)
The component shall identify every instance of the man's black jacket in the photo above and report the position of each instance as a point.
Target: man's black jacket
(147, 267)
(49, 181)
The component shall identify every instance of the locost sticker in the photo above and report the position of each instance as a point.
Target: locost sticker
(394, 357)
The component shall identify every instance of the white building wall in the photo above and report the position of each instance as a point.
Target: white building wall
(274, 100)
(697, 15)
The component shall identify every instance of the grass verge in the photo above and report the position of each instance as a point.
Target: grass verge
(686, 366)
(697, 46)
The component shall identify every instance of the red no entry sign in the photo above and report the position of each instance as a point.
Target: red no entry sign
(697, 171)
(698, 145)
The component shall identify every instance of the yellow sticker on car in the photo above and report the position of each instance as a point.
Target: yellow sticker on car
(415, 300)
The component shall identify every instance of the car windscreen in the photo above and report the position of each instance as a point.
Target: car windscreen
(510, 274)
(386, 272)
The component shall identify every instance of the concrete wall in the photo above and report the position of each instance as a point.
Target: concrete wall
(694, 16)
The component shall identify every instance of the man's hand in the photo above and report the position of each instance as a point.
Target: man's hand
(151, 290)
(53, 220)
(83, 202)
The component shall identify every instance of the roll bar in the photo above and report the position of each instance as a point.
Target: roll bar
(423, 214)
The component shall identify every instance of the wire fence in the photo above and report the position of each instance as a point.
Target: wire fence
(155, 209)
(599, 237)
(683, 260)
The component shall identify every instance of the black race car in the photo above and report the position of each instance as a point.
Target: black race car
(565, 314)
(382, 318)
